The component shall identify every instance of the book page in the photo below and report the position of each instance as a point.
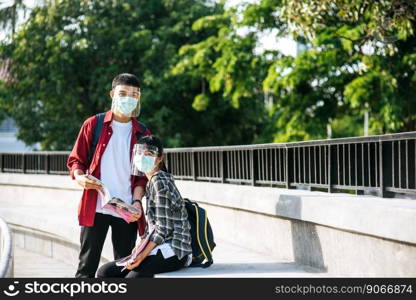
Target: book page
(105, 193)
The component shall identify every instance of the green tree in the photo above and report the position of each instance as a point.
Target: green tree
(379, 21)
(63, 59)
(359, 57)
(9, 11)
(230, 68)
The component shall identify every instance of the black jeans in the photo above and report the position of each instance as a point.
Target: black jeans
(152, 264)
(123, 237)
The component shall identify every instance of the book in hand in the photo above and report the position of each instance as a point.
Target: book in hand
(134, 254)
(121, 208)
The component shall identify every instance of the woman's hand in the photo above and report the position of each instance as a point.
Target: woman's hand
(135, 263)
(149, 247)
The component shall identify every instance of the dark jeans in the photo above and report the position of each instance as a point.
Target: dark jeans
(123, 237)
(152, 264)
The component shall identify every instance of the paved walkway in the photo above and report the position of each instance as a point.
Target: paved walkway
(31, 264)
(230, 261)
(233, 261)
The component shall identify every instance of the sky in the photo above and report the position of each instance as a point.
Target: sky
(268, 40)
(7, 3)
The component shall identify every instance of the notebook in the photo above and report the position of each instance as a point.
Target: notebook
(130, 258)
(121, 208)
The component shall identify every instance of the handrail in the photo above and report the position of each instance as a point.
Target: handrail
(384, 164)
(335, 141)
(6, 250)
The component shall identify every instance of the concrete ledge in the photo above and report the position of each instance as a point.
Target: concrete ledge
(338, 234)
(45, 219)
(237, 262)
(39, 180)
(55, 237)
(393, 219)
(342, 235)
(386, 218)
(45, 222)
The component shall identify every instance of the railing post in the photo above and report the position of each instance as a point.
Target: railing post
(288, 171)
(222, 166)
(386, 170)
(47, 163)
(194, 167)
(1, 162)
(252, 167)
(23, 163)
(331, 170)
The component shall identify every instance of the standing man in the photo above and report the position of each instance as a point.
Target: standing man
(108, 157)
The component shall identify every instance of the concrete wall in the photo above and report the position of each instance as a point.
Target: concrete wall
(343, 234)
(41, 211)
(346, 235)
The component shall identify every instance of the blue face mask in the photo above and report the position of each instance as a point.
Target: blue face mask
(144, 163)
(126, 105)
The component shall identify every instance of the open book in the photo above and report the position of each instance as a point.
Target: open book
(136, 251)
(121, 208)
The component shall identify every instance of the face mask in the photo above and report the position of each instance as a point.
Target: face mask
(126, 105)
(144, 163)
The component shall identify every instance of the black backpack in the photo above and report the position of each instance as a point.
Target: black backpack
(201, 233)
(97, 132)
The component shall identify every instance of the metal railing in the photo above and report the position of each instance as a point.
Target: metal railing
(385, 164)
(39, 162)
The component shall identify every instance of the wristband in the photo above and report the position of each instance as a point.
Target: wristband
(136, 200)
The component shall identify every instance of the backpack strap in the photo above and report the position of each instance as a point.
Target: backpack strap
(96, 134)
(141, 133)
(99, 127)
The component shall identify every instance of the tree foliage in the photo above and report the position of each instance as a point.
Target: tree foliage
(63, 60)
(358, 57)
(205, 78)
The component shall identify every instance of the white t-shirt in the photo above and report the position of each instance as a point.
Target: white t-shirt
(167, 250)
(115, 165)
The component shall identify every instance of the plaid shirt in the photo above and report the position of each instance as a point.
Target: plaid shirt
(166, 211)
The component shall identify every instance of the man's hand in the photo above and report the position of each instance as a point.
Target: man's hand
(86, 182)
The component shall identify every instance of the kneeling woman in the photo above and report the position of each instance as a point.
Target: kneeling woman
(169, 248)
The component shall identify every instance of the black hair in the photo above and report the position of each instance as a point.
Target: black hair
(125, 79)
(154, 141)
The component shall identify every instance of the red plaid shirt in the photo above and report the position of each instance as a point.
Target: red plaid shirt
(78, 159)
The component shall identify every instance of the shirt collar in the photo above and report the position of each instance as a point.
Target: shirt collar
(109, 117)
(154, 174)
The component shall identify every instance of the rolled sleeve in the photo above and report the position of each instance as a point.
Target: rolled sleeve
(78, 158)
(157, 238)
(162, 227)
(76, 166)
